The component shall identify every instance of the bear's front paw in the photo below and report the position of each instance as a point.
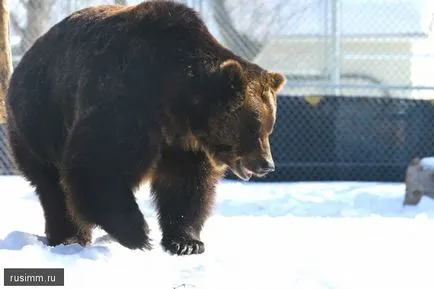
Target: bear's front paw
(183, 246)
(130, 230)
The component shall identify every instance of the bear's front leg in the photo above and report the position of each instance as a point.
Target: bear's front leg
(183, 188)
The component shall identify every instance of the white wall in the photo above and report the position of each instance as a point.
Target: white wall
(388, 60)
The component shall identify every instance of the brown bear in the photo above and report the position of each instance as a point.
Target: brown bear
(113, 96)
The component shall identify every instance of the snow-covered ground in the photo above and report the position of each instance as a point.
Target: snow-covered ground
(289, 235)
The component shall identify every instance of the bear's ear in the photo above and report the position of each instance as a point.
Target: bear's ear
(232, 74)
(233, 82)
(277, 81)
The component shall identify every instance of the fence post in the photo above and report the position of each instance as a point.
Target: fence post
(336, 43)
(6, 165)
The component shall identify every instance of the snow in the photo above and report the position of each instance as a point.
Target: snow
(427, 163)
(331, 235)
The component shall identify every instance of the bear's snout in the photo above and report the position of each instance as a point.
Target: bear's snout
(265, 166)
(260, 166)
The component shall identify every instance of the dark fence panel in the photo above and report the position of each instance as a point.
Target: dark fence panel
(349, 138)
(6, 165)
(337, 138)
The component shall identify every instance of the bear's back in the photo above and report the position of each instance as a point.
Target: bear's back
(152, 37)
(109, 56)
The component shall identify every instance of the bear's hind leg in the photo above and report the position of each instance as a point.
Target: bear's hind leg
(60, 228)
(183, 188)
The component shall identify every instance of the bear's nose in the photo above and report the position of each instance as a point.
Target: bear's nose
(267, 166)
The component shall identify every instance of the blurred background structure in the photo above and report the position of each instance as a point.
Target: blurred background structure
(359, 102)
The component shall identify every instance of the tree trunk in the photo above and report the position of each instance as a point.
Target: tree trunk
(236, 41)
(5, 57)
(419, 180)
(38, 17)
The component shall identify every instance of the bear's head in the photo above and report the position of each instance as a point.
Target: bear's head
(243, 118)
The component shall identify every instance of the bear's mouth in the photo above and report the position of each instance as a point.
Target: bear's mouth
(241, 171)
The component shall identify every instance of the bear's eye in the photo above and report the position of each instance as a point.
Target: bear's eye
(252, 129)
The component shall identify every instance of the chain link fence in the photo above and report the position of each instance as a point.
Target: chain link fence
(358, 101)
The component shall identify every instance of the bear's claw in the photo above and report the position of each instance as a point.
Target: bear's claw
(77, 240)
(184, 246)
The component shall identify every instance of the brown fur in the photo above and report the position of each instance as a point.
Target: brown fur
(113, 96)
